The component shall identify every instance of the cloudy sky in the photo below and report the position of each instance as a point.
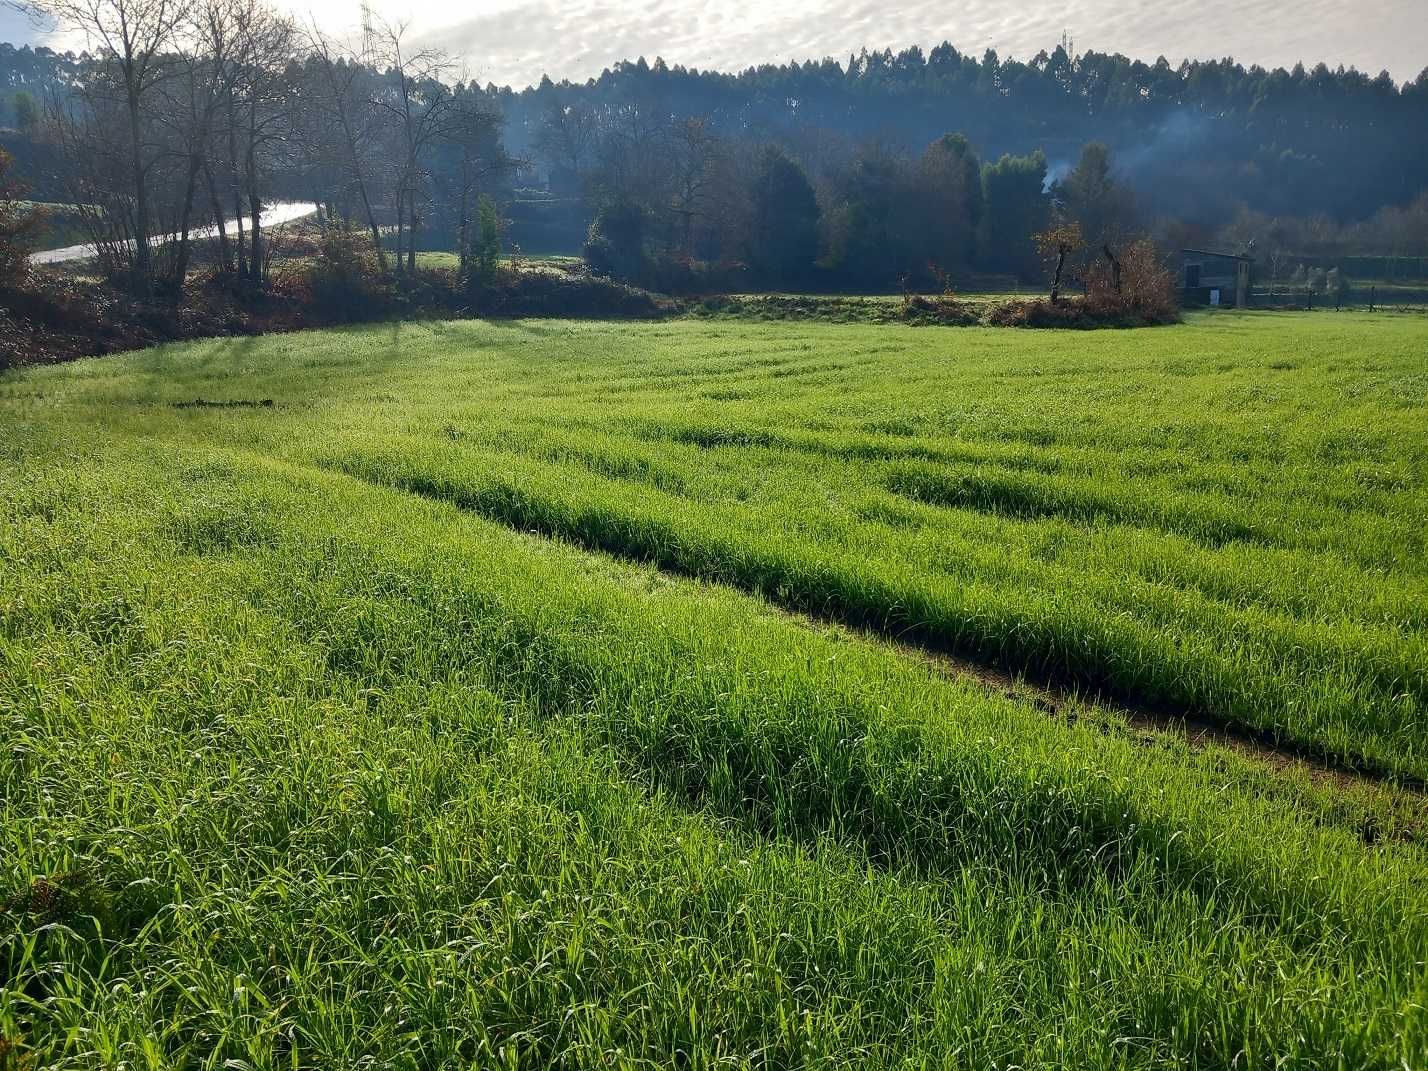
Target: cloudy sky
(515, 41)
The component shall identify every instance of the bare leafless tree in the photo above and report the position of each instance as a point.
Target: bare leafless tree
(422, 110)
(265, 100)
(194, 105)
(134, 41)
(695, 151)
(204, 110)
(336, 92)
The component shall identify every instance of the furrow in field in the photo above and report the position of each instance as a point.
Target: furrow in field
(1198, 732)
(712, 706)
(818, 597)
(1158, 534)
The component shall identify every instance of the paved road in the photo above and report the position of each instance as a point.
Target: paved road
(273, 215)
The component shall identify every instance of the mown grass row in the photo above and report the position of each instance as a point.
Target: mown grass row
(357, 766)
(1092, 525)
(1158, 489)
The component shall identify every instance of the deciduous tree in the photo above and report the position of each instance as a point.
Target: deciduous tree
(1057, 246)
(134, 41)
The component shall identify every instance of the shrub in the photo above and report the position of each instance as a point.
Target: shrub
(344, 283)
(675, 273)
(1039, 313)
(18, 225)
(485, 254)
(1136, 287)
(575, 294)
(616, 244)
(680, 273)
(943, 309)
(1079, 313)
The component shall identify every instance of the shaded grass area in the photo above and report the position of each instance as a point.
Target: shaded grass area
(310, 770)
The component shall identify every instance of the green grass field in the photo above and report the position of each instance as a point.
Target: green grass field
(538, 694)
(450, 261)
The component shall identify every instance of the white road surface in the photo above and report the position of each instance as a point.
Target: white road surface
(273, 216)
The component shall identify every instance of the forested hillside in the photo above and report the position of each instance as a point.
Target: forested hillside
(890, 169)
(1197, 138)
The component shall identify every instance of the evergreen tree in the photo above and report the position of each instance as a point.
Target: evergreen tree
(485, 259)
(951, 178)
(1017, 207)
(1090, 196)
(784, 214)
(27, 112)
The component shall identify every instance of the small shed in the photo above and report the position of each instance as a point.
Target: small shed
(1217, 278)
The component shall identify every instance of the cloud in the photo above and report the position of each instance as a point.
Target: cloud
(516, 41)
(16, 27)
(519, 43)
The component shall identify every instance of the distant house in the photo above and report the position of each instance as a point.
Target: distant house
(1217, 278)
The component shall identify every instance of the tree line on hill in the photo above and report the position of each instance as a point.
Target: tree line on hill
(921, 164)
(894, 170)
(1200, 138)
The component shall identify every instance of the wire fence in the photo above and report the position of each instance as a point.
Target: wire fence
(1358, 296)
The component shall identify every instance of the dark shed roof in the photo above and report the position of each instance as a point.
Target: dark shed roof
(1223, 256)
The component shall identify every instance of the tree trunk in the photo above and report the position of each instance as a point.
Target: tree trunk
(1056, 281)
(401, 229)
(225, 254)
(463, 233)
(255, 264)
(142, 260)
(1115, 268)
(255, 235)
(412, 234)
(255, 202)
(242, 248)
(236, 188)
(195, 162)
(372, 223)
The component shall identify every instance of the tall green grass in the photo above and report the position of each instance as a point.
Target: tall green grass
(1224, 520)
(310, 772)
